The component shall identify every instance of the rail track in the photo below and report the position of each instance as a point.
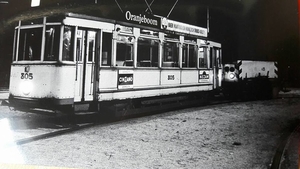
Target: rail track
(282, 148)
(80, 121)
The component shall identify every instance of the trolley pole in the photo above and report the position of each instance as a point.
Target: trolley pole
(207, 15)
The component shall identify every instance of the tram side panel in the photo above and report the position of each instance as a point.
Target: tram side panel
(138, 83)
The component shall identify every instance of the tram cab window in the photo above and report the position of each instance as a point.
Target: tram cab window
(202, 54)
(189, 56)
(170, 54)
(30, 44)
(124, 54)
(147, 52)
(51, 43)
(67, 54)
(106, 49)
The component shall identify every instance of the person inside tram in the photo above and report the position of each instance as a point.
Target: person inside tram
(66, 45)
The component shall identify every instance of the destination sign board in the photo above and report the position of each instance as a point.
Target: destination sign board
(142, 19)
(182, 27)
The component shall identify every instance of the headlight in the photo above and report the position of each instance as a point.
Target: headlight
(231, 75)
(26, 87)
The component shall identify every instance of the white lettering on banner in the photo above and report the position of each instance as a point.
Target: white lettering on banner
(184, 28)
(140, 19)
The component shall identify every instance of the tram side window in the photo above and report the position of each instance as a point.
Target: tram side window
(170, 55)
(52, 43)
(124, 54)
(30, 44)
(202, 57)
(147, 52)
(106, 48)
(124, 51)
(67, 54)
(189, 56)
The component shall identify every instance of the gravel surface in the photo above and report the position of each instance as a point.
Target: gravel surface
(233, 135)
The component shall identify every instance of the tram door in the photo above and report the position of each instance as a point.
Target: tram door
(215, 59)
(85, 65)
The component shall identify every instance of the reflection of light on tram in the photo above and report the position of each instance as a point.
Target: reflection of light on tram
(9, 152)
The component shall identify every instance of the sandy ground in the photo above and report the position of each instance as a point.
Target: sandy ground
(234, 135)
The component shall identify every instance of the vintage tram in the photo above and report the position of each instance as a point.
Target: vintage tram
(64, 62)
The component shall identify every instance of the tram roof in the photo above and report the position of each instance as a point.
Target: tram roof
(151, 22)
(155, 22)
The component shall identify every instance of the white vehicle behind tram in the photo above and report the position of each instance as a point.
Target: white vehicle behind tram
(68, 61)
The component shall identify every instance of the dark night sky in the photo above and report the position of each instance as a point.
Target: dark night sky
(247, 29)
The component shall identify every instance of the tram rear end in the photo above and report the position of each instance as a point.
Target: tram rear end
(39, 73)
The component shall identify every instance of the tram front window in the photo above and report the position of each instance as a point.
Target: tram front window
(30, 44)
(147, 53)
(52, 43)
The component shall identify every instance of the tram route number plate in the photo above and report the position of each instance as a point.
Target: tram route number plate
(27, 76)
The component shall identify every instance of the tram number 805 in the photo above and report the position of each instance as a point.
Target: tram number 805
(27, 76)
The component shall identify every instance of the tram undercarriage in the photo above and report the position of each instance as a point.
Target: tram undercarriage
(115, 107)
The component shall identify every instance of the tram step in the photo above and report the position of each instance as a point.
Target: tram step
(81, 107)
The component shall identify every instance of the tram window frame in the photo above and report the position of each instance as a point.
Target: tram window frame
(15, 45)
(123, 44)
(29, 48)
(147, 52)
(68, 43)
(52, 38)
(106, 48)
(170, 57)
(189, 55)
(203, 57)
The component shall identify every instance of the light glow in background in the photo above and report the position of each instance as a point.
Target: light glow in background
(35, 3)
(9, 152)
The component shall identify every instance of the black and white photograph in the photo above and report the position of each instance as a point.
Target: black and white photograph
(149, 84)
